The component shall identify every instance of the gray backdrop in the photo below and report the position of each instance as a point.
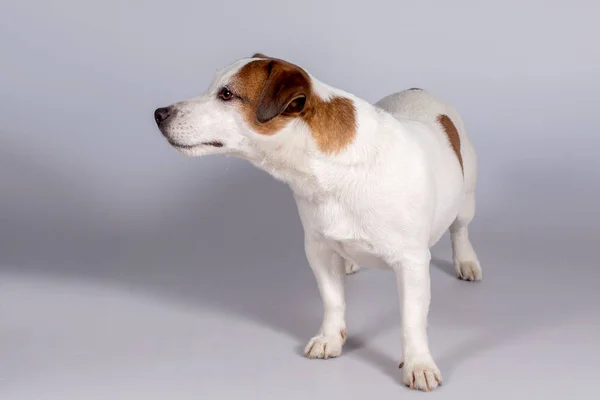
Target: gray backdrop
(129, 270)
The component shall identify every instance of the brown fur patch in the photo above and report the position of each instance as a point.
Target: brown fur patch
(332, 123)
(415, 88)
(453, 136)
(265, 86)
(248, 84)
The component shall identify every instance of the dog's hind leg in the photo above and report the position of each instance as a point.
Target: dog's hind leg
(465, 260)
(351, 267)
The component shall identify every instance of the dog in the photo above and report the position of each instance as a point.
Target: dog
(375, 185)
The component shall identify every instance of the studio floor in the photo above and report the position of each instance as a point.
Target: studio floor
(193, 330)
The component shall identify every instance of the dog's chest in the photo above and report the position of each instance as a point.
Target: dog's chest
(360, 252)
(348, 229)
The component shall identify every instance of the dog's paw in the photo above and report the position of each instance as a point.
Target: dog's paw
(421, 374)
(468, 270)
(351, 268)
(325, 347)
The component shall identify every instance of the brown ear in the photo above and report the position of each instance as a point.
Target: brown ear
(286, 92)
(259, 55)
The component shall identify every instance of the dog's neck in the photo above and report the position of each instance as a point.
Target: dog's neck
(311, 173)
(295, 168)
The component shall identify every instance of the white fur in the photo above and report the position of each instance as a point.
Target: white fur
(381, 202)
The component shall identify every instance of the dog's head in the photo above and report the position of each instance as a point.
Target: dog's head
(255, 105)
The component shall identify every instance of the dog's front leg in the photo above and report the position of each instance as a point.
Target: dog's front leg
(329, 270)
(412, 274)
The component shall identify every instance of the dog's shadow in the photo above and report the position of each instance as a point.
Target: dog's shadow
(235, 246)
(444, 266)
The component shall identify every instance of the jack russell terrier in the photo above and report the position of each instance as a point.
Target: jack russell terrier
(375, 184)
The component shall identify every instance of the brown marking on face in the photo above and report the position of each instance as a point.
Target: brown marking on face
(273, 92)
(453, 136)
(266, 88)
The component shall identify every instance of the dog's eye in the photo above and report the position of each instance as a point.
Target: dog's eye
(225, 94)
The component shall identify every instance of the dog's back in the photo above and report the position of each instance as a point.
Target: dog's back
(422, 106)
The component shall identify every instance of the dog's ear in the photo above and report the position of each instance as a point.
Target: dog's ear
(285, 92)
(260, 55)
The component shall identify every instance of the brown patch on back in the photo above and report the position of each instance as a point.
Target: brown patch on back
(273, 92)
(453, 136)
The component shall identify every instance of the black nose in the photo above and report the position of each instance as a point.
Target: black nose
(162, 114)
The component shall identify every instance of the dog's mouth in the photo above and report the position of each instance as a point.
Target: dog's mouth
(213, 143)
